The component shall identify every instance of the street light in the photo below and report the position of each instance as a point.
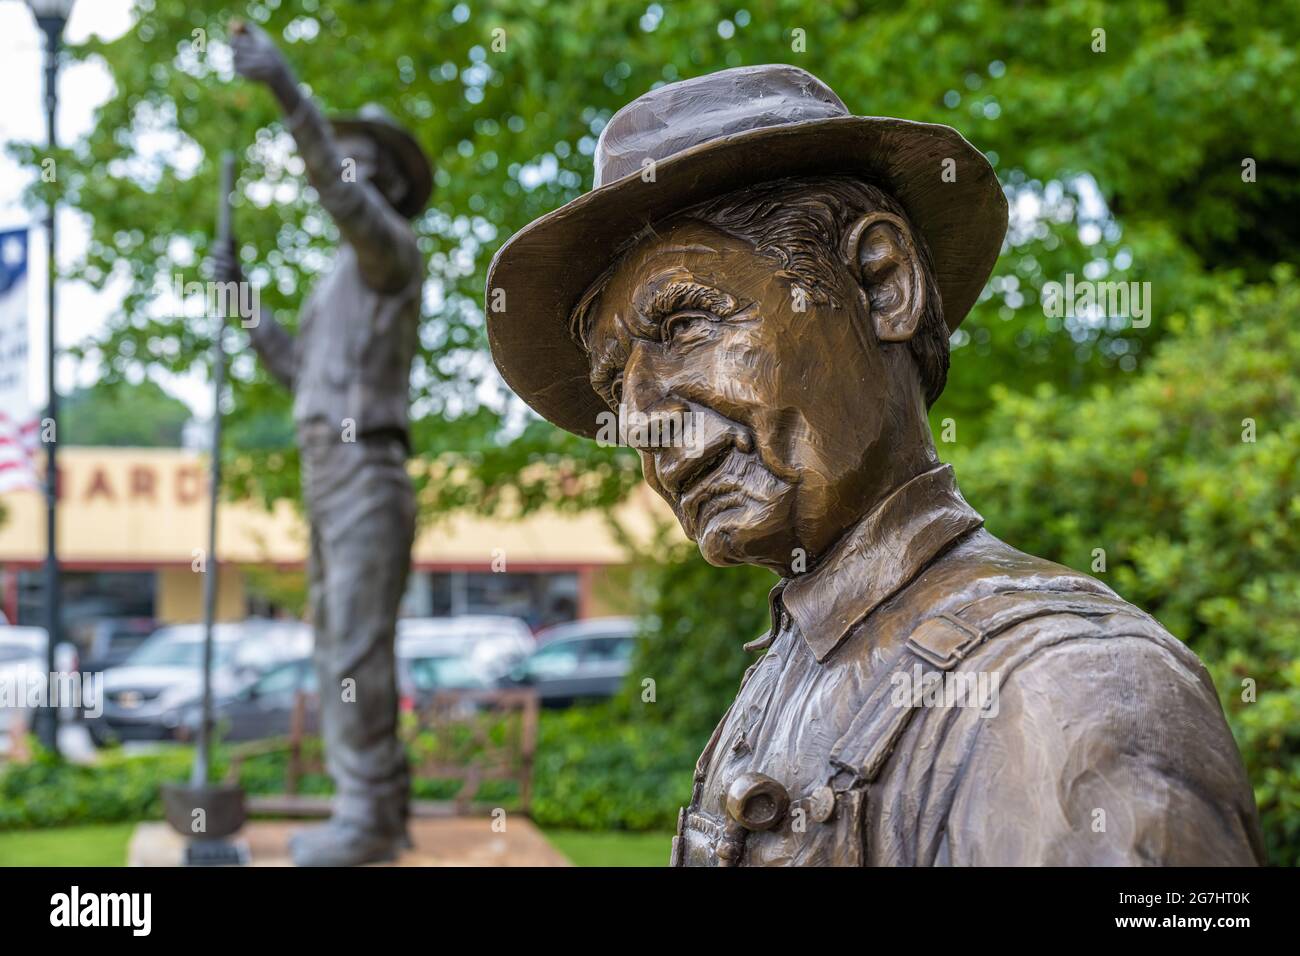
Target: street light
(51, 17)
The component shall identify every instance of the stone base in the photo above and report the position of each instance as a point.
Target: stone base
(458, 841)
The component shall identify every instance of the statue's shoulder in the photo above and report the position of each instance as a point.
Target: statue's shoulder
(1012, 606)
(985, 607)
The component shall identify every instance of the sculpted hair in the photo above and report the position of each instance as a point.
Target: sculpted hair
(799, 223)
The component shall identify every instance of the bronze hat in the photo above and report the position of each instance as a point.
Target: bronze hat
(708, 136)
(374, 121)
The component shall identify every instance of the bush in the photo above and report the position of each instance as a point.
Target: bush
(1186, 479)
(595, 769)
(602, 768)
(48, 792)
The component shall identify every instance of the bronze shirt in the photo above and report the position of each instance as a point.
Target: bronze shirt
(1098, 738)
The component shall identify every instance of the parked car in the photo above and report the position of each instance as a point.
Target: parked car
(421, 675)
(491, 643)
(146, 697)
(112, 640)
(20, 641)
(262, 708)
(583, 660)
(23, 660)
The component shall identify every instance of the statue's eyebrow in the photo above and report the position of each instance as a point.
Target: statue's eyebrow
(651, 304)
(655, 302)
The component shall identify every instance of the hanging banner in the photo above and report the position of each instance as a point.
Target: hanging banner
(18, 425)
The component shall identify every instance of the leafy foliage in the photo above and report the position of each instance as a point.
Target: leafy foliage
(50, 792)
(599, 768)
(1160, 121)
(141, 416)
(596, 769)
(1186, 478)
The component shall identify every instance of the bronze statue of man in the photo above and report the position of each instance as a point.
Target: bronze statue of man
(786, 276)
(349, 369)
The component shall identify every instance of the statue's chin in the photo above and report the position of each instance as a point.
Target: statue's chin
(718, 545)
(745, 534)
(725, 544)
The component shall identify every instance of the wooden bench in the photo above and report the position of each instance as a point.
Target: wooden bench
(472, 736)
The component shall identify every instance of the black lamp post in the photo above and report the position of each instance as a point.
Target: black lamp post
(51, 17)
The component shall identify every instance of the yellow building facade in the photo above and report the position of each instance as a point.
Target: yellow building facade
(140, 515)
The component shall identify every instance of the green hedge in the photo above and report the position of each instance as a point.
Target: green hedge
(48, 792)
(596, 769)
(605, 768)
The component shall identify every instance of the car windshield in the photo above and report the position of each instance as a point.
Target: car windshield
(13, 652)
(437, 673)
(125, 641)
(287, 678)
(164, 651)
(554, 660)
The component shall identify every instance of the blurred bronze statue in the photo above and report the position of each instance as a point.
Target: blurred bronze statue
(785, 276)
(349, 369)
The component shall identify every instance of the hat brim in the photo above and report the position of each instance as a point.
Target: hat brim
(544, 269)
(402, 146)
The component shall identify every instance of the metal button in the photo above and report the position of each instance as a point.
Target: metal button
(756, 801)
(821, 804)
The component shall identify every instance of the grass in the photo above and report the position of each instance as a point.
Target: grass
(612, 847)
(96, 845)
(105, 845)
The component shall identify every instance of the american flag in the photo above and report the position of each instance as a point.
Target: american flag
(19, 428)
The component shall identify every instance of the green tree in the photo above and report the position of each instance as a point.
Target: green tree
(123, 415)
(1178, 489)
(509, 95)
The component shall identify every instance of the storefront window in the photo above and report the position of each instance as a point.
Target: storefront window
(540, 598)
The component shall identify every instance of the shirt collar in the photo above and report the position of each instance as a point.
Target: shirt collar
(874, 559)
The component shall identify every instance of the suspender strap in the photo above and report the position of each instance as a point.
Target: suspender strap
(941, 643)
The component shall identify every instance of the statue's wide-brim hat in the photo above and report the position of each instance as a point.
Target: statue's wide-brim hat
(374, 121)
(706, 137)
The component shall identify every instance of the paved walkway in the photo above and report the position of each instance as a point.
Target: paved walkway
(460, 841)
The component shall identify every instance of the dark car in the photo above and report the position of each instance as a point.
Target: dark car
(585, 660)
(421, 675)
(153, 691)
(265, 707)
(262, 709)
(112, 640)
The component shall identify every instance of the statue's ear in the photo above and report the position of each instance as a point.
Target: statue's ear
(879, 250)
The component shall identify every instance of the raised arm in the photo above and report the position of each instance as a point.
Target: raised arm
(381, 239)
(274, 345)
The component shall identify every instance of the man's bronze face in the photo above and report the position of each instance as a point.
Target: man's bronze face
(789, 406)
(363, 153)
(370, 165)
